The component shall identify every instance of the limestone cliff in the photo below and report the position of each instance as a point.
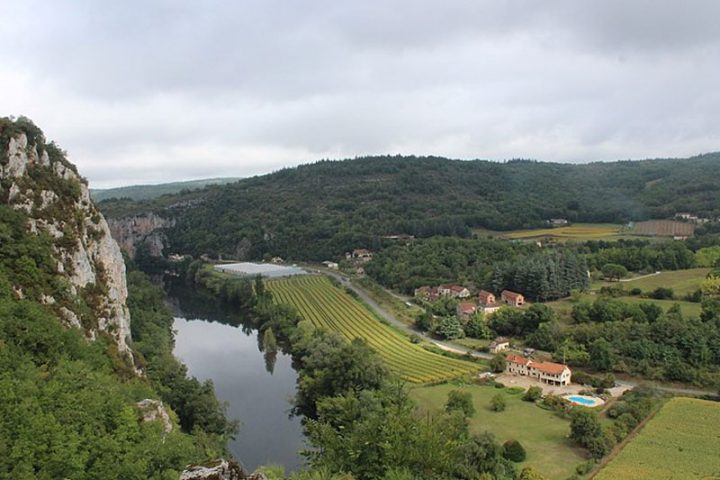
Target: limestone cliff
(147, 228)
(90, 290)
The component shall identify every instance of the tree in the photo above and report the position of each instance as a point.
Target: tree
(601, 355)
(514, 451)
(498, 363)
(584, 426)
(498, 403)
(528, 473)
(460, 401)
(424, 321)
(532, 394)
(613, 271)
(477, 327)
(711, 286)
(449, 328)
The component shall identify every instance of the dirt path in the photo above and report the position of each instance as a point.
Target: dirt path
(640, 277)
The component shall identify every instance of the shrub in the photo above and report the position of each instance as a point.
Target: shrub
(514, 451)
(532, 394)
(460, 401)
(498, 403)
(636, 291)
(662, 293)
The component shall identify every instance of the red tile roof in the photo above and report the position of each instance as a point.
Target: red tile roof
(549, 367)
(517, 359)
(484, 295)
(511, 295)
(466, 307)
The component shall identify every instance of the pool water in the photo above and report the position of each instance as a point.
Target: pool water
(583, 400)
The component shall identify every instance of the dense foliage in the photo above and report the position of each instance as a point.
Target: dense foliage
(66, 413)
(322, 210)
(543, 276)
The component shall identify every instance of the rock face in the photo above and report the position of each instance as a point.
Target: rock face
(130, 232)
(40, 182)
(219, 470)
(153, 410)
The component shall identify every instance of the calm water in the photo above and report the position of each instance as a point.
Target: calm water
(256, 386)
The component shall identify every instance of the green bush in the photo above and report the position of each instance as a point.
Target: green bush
(514, 451)
(533, 394)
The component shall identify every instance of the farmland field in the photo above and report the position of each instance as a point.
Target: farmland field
(541, 432)
(681, 441)
(580, 231)
(663, 228)
(330, 307)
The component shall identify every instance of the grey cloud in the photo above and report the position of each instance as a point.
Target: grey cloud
(163, 90)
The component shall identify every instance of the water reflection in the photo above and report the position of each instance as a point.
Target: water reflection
(220, 344)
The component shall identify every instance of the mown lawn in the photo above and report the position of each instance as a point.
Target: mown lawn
(681, 442)
(541, 432)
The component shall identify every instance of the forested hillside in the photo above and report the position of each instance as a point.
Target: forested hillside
(80, 397)
(324, 209)
(146, 192)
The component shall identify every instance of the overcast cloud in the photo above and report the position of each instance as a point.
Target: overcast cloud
(157, 91)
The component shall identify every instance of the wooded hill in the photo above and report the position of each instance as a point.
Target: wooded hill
(321, 210)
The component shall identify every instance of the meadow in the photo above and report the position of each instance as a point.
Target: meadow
(318, 300)
(681, 441)
(682, 282)
(541, 432)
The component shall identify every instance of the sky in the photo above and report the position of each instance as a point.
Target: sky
(156, 91)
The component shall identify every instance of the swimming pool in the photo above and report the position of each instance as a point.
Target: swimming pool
(584, 400)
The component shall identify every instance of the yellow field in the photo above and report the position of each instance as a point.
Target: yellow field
(581, 231)
(330, 307)
(680, 442)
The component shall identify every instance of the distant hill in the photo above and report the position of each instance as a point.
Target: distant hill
(147, 192)
(321, 210)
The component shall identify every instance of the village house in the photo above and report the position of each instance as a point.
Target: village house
(454, 291)
(277, 260)
(558, 222)
(361, 255)
(330, 265)
(512, 298)
(486, 298)
(499, 344)
(427, 293)
(465, 309)
(546, 372)
(488, 302)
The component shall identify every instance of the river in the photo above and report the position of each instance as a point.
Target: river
(218, 345)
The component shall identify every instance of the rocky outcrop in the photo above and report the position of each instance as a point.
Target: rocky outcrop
(153, 410)
(147, 228)
(219, 470)
(40, 182)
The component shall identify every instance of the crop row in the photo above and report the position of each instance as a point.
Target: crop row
(327, 306)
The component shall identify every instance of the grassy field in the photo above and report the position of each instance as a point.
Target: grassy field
(564, 307)
(681, 281)
(330, 307)
(542, 433)
(680, 442)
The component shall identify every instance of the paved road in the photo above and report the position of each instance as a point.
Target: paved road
(390, 318)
